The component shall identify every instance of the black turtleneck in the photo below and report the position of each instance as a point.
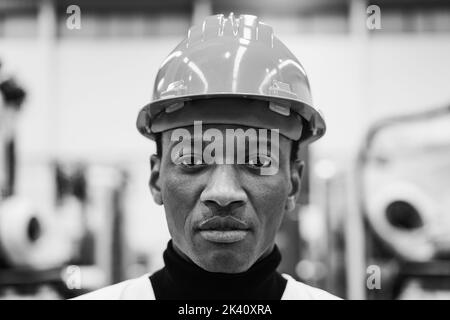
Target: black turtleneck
(184, 280)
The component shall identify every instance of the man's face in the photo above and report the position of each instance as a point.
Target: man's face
(223, 217)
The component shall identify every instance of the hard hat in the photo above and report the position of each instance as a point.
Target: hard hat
(228, 57)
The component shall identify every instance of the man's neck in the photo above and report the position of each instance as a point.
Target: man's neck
(182, 279)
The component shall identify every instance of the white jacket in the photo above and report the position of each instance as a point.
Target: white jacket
(141, 289)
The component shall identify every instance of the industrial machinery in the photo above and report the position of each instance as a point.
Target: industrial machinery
(67, 243)
(404, 179)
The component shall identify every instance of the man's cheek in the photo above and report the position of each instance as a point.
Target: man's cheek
(271, 202)
(271, 191)
(272, 213)
(178, 200)
(177, 188)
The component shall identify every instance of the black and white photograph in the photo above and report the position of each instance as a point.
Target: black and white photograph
(223, 154)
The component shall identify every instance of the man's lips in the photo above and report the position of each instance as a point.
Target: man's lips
(223, 229)
(227, 223)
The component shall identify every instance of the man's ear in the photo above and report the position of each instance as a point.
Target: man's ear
(296, 179)
(155, 189)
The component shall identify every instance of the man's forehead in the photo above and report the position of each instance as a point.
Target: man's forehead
(227, 132)
(223, 128)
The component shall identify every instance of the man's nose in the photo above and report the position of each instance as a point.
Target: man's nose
(224, 190)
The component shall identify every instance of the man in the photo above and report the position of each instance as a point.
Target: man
(231, 107)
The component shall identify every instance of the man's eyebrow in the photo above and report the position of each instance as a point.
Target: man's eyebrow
(264, 141)
(267, 142)
(190, 140)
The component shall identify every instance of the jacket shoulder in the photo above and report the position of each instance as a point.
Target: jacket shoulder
(296, 290)
(134, 289)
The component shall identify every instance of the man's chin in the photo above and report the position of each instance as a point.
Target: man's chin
(225, 261)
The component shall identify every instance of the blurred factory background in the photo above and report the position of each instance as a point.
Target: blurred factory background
(75, 210)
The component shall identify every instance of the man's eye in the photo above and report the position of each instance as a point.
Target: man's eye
(190, 160)
(259, 161)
